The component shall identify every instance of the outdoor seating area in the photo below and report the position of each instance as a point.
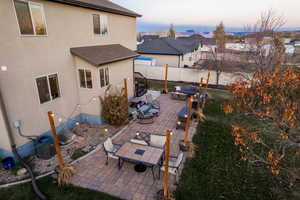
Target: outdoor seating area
(130, 164)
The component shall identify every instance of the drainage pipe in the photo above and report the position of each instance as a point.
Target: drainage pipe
(15, 152)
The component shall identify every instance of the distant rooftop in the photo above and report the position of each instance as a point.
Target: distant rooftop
(102, 5)
(173, 46)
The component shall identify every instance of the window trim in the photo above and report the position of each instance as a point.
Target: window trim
(49, 89)
(105, 83)
(43, 15)
(99, 15)
(84, 71)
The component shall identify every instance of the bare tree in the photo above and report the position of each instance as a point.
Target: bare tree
(264, 43)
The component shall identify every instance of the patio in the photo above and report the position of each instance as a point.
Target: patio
(92, 173)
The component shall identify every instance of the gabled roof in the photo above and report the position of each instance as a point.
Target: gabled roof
(173, 46)
(104, 54)
(157, 46)
(102, 5)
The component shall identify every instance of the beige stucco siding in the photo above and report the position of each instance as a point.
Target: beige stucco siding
(117, 72)
(28, 57)
(172, 60)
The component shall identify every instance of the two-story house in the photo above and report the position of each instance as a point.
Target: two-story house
(60, 55)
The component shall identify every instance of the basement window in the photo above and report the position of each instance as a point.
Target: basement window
(48, 87)
(31, 18)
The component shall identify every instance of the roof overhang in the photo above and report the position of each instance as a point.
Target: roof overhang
(106, 6)
(104, 54)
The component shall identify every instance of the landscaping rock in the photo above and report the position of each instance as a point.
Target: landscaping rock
(21, 172)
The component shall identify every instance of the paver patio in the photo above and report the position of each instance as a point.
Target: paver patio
(125, 183)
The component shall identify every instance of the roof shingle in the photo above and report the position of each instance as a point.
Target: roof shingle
(104, 54)
(103, 5)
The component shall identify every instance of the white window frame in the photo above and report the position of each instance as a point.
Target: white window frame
(105, 83)
(84, 71)
(43, 15)
(99, 15)
(49, 89)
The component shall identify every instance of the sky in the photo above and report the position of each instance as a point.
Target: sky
(209, 13)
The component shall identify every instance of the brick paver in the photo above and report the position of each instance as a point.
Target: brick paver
(125, 183)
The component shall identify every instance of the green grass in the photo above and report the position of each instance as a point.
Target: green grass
(216, 171)
(51, 189)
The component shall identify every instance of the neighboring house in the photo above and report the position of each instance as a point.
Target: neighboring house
(177, 52)
(60, 56)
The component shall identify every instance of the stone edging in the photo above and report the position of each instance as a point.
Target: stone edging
(99, 146)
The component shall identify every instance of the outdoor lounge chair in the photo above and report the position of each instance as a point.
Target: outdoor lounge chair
(174, 164)
(154, 103)
(158, 141)
(110, 149)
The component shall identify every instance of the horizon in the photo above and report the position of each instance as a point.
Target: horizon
(196, 15)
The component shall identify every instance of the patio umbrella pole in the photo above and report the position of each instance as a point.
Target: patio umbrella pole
(166, 165)
(188, 121)
(166, 79)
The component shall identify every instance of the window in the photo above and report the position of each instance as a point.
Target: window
(104, 77)
(85, 78)
(48, 87)
(100, 24)
(30, 17)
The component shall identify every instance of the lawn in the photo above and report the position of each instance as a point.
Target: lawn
(51, 189)
(216, 171)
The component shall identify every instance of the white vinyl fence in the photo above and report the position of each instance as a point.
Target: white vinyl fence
(186, 74)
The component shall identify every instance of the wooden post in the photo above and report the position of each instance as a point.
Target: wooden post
(166, 165)
(56, 143)
(125, 89)
(166, 79)
(208, 77)
(188, 121)
(199, 99)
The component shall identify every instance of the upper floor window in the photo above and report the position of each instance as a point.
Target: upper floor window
(104, 76)
(100, 24)
(30, 17)
(85, 78)
(48, 87)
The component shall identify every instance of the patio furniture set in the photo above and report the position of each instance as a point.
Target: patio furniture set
(144, 109)
(183, 93)
(144, 150)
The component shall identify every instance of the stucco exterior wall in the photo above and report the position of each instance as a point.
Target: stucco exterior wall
(28, 57)
(172, 60)
(117, 72)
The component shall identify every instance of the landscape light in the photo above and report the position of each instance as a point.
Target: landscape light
(106, 130)
(77, 123)
(137, 133)
(178, 122)
(185, 116)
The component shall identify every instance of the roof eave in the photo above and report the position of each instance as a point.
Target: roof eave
(95, 7)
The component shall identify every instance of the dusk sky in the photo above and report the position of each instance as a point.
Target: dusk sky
(234, 13)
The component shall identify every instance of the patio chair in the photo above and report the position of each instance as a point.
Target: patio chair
(174, 165)
(110, 149)
(154, 103)
(158, 141)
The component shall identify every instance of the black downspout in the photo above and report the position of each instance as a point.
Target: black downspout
(15, 152)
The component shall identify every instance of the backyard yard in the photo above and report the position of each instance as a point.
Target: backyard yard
(215, 172)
